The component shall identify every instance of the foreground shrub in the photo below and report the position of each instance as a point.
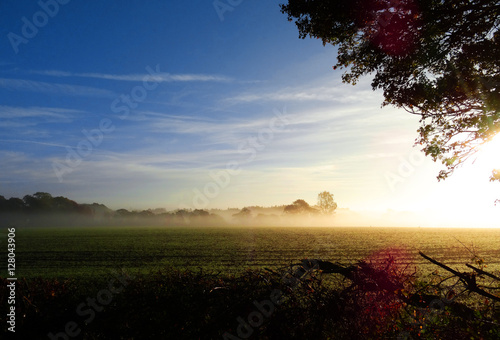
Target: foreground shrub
(378, 297)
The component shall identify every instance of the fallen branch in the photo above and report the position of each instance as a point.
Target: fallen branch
(469, 279)
(480, 271)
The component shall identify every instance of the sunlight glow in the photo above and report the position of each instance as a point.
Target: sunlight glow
(489, 154)
(470, 195)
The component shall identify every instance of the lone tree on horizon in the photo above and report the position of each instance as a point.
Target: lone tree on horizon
(326, 203)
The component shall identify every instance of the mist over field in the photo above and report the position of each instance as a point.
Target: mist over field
(44, 210)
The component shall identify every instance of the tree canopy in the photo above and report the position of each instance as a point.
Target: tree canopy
(326, 203)
(435, 59)
(299, 207)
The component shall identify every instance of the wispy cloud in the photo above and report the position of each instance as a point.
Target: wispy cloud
(159, 77)
(206, 131)
(325, 90)
(32, 142)
(339, 93)
(162, 122)
(7, 112)
(19, 169)
(53, 88)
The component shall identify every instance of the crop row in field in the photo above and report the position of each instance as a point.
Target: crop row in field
(73, 252)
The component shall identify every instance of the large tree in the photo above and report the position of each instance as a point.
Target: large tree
(434, 58)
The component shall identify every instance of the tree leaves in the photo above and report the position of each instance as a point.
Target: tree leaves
(435, 59)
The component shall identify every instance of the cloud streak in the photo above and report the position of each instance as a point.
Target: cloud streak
(334, 93)
(32, 142)
(159, 77)
(53, 88)
(8, 112)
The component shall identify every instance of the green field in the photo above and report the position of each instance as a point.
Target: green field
(90, 252)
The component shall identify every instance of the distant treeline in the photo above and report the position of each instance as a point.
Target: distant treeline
(42, 209)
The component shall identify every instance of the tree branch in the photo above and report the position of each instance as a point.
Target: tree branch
(469, 280)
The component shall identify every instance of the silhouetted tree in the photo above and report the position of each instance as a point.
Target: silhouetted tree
(63, 204)
(182, 216)
(244, 213)
(200, 213)
(146, 214)
(435, 59)
(39, 202)
(299, 207)
(3, 203)
(123, 213)
(326, 203)
(15, 204)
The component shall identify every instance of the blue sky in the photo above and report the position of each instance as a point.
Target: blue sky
(162, 104)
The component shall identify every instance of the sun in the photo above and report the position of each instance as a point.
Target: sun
(488, 157)
(471, 187)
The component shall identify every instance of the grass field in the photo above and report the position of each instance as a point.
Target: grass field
(178, 284)
(91, 252)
